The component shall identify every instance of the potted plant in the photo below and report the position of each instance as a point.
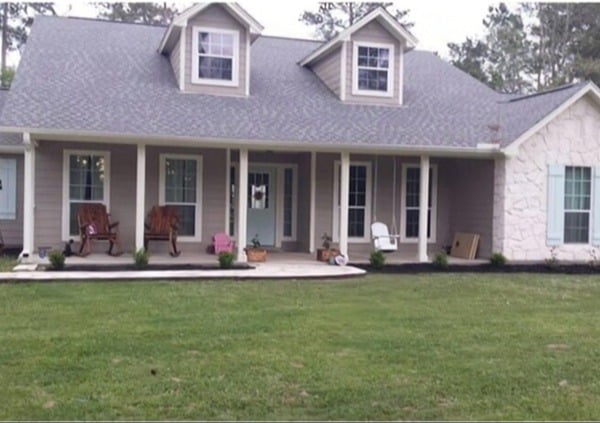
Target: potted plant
(256, 253)
(324, 253)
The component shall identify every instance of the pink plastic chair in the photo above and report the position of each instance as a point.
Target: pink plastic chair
(222, 243)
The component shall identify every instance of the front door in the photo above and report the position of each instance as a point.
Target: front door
(262, 194)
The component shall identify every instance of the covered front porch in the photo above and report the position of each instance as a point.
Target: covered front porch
(293, 197)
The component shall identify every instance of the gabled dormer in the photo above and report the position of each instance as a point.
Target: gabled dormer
(365, 63)
(208, 46)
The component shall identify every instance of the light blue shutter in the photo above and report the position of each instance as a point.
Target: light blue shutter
(8, 189)
(596, 207)
(556, 204)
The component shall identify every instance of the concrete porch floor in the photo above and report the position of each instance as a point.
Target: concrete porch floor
(279, 265)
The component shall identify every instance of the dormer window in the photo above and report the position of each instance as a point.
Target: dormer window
(215, 56)
(373, 69)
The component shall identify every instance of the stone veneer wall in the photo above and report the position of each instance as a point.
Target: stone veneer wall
(520, 196)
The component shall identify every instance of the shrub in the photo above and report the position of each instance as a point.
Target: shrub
(377, 259)
(140, 258)
(57, 260)
(497, 260)
(226, 260)
(441, 260)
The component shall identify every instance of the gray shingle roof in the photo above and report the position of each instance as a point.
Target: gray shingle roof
(86, 75)
(7, 139)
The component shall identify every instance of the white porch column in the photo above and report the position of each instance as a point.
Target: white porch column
(28, 197)
(227, 190)
(242, 205)
(344, 197)
(423, 209)
(140, 196)
(313, 198)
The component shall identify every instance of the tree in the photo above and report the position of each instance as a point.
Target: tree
(331, 18)
(507, 50)
(16, 19)
(560, 45)
(470, 57)
(146, 13)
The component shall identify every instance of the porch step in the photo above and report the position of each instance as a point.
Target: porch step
(25, 267)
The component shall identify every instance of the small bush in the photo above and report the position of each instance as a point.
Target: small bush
(57, 260)
(226, 260)
(497, 260)
(377, 259)
(441, 260)
(140, 258)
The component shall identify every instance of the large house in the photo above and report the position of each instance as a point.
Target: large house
(326, 136)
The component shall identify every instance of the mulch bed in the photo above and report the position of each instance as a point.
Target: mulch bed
(131, 267)
(411, 268)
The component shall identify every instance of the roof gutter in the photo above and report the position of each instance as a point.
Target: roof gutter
(12, 149)
(481, 151)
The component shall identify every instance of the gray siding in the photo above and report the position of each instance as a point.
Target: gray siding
(213, 192)
(373, 32)
(328, 70)
(384, 209)
(174, 58)
(49, 176)
(12, 230)
(472, 192)
(49, 195)
(216, 17)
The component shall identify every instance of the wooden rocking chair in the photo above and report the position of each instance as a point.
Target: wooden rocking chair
(162, 225)
(94, 224)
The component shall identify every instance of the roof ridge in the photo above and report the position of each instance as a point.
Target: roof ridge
(540, 93)
(284, 37)
(84, 18)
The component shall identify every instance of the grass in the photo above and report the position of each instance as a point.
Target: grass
(7, 263)
(454, 347)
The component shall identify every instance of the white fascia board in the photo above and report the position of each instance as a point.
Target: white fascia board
(235, 9)
(391, 24)
(254, 144)
(12, 149)
(589, 88)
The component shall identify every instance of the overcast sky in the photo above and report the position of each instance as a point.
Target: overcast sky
(436, 22)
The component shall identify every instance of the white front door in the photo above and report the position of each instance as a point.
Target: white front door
(262, 202)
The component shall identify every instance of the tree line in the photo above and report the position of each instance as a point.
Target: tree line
(529, 47)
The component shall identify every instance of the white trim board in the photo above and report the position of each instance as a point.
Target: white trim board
(591, 88)
(388, 22)
(48, 134)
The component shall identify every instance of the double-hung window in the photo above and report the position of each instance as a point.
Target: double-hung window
(578, 194)
(573, 208)
(411, 197)
(215, 56)
(180, 186)
(373, 71)
(359, 201)
(85, 180)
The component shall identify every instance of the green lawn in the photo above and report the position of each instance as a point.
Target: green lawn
(443, 346)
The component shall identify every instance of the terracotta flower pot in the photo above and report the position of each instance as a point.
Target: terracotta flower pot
(256, 254)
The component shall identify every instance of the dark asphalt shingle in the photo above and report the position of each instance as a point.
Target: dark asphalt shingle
(97, 76)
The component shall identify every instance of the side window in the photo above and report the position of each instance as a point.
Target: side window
(577, 208)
